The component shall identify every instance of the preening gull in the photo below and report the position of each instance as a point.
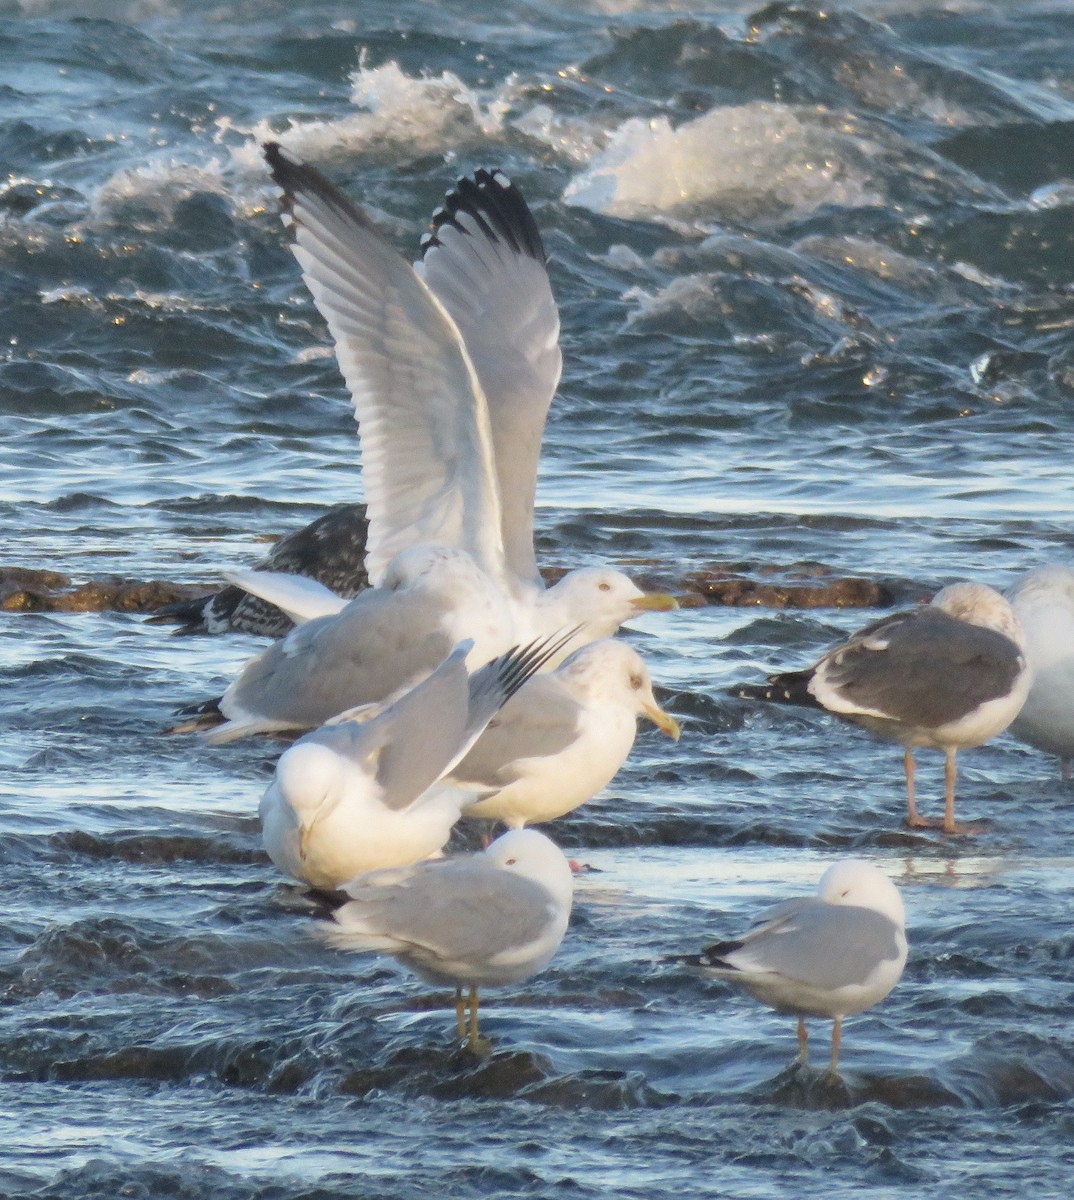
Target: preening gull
(362, 793)
(477, 920)
(329, 550)
(830, 955)
(950, 675)
(1044, 603)
(562, 738)
(452, 365)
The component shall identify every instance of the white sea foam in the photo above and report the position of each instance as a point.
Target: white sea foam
(746, 160)
(159, 185)
(429, 114)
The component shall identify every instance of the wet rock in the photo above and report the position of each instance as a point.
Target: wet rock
(804, 585)
(800, 585)
(26, 590)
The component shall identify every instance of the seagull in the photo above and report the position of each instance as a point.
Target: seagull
(452, 365)
(562, 737)
(950, 675)
(329, 551)
(362, 793)
(473, 921)
(1044, 603)
(830, 955)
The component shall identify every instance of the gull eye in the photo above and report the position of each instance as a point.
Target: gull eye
(635, 682)
(510, 862)
(843, 895)
(604, 587)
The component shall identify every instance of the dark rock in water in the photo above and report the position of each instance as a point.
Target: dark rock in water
(801, 585)
(25, 590)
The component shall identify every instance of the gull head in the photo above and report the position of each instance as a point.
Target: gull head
(858, 883)
(978, 604)
(536, 857)
(611, 671)
(309, 779)
(600, 600)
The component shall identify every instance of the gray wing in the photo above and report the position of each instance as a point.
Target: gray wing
(427, 453)
(419, 737)
(819, 944)
(414, 739)
(541, 721)
(463, 908)
(364, 654)
(923, 668)
(485, 262)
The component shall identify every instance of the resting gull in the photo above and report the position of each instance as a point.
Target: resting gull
(562, 738)
(830, 955)
(1044, 603)
(362, 793)
(477, 920)
(950, 675)
(330, 551)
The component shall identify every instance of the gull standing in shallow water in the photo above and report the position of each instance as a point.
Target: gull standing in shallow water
(1044, 602)
(477, 920)
(830, 955)
(362, 794)
(950, 675)
(562, 738)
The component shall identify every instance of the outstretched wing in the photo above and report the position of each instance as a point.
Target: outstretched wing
(485, 262)
(427, 454)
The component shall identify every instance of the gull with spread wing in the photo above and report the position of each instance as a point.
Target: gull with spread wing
(452, 365)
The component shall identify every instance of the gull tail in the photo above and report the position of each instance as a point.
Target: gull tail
(204, 715)
(788, 687)
(712, 958)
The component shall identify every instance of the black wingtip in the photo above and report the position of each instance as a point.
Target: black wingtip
(496, 206)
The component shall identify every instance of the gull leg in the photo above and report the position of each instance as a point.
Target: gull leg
(837, 1041)
(803, 1042)
(950, 771)
(460, 1013)
(912, 818)
(476, 1043)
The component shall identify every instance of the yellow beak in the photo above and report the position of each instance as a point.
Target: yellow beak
(655, 602)
(664, 721)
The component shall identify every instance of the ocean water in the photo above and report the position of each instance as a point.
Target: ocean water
(814, 268)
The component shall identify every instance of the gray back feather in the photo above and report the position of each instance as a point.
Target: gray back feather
(935, 668)
(820, 944)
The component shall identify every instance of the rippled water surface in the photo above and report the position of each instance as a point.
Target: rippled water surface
(814, 268)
